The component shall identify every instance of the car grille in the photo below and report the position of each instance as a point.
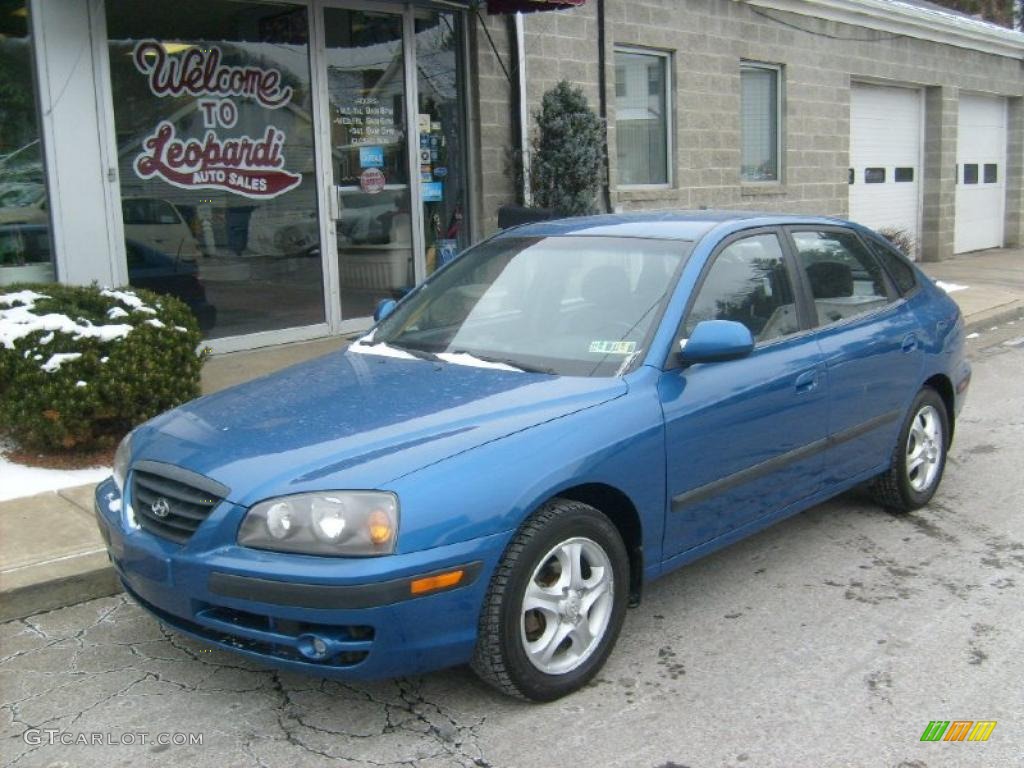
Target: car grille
(171, 502)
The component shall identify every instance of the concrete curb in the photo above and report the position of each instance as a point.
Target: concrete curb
(982, 321)
(59, 593)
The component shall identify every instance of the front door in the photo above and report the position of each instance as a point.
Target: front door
(744, 438)
(397, 156)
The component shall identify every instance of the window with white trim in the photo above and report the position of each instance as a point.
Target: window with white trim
(760, 88)
(643, 105)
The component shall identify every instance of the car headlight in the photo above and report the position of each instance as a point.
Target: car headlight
(121, 458)
(356, 523)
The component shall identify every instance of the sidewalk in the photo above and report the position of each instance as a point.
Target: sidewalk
(995, 285)
(51, 554)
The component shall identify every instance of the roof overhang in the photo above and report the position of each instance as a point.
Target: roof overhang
(902, 18)
(529, 6)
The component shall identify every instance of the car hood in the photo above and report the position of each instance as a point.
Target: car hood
(355, 421)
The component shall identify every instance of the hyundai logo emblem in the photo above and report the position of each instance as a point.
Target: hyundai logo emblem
(161, 507)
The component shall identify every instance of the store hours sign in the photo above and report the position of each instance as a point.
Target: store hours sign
(252, 166)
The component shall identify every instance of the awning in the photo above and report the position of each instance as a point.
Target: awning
(528, 6)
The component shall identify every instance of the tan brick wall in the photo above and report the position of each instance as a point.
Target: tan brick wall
(707, 39)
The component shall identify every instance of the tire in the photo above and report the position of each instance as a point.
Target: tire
(511, 643)
(906, 487)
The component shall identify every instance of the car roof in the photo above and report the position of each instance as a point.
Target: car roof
(661, 225)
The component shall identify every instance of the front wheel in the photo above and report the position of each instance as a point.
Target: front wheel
(920, 456)
(555, 604)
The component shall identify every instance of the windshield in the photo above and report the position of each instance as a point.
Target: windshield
(576, 306)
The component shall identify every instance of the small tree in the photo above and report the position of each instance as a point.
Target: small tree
(568, 152)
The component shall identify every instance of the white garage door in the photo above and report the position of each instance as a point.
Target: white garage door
(981, 173)
(885, 157)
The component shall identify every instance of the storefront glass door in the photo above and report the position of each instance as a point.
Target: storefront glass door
(366, 91)
(392, 74)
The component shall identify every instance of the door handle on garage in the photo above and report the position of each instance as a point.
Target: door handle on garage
(909, 343)
(806, 381)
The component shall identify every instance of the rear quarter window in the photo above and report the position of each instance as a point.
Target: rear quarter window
(895, 264)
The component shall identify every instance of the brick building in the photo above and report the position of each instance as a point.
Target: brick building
(837, 80)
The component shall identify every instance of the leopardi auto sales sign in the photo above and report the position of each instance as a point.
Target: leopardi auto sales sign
(252, 166)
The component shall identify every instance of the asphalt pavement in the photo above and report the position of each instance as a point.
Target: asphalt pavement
(832, 639)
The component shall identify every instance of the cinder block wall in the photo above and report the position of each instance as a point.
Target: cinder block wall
(708, 39)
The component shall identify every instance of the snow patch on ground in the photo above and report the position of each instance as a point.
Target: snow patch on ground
(973, 335)
(951, 287)
(17, 480)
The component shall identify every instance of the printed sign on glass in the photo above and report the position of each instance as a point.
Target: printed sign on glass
(372, 181)
(251, 166)
(371, 157)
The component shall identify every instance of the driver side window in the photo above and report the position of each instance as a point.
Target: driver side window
(748, 283)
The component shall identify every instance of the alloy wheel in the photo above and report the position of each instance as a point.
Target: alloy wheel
(567, 606)
(925, 444)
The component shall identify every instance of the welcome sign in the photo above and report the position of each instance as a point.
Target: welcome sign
(243, 165)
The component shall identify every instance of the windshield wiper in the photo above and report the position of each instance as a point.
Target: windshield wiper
(417, 352)
(505, 361)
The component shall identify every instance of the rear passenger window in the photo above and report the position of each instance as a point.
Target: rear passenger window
(845, 279)
(748, 283)
(896, 264)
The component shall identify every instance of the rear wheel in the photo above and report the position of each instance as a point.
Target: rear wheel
(920, 456)
(555, 605)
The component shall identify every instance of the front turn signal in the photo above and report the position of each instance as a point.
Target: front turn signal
(434, 583)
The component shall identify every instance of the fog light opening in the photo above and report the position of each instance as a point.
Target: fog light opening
(315, 647)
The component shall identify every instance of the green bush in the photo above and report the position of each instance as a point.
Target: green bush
(568, 152)
(81, 366)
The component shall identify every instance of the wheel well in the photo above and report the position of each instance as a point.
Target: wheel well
(620, 510)
(941, 384)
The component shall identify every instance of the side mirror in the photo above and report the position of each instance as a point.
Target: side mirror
(384, 308)
(716, 340)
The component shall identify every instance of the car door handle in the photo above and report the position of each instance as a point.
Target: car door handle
(806, 381)
(909, 343)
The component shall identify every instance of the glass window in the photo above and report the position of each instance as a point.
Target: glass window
(896, 264)
(845, 279)
(748, 283)
(212, 111)
(642, 118)
(25, 251)
(970, 173)
(440, 84)
(903, 174)
(578, 306)
(759, 119)
(874, 175)
(991, 173)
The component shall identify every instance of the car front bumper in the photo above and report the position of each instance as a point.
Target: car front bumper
(273, 606)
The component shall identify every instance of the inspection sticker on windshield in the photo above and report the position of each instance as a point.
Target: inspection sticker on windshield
(613, 347)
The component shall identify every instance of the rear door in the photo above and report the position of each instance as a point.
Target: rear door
(870, 343)
(745, 437)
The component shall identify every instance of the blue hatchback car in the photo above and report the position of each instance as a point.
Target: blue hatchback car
(562, 414)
